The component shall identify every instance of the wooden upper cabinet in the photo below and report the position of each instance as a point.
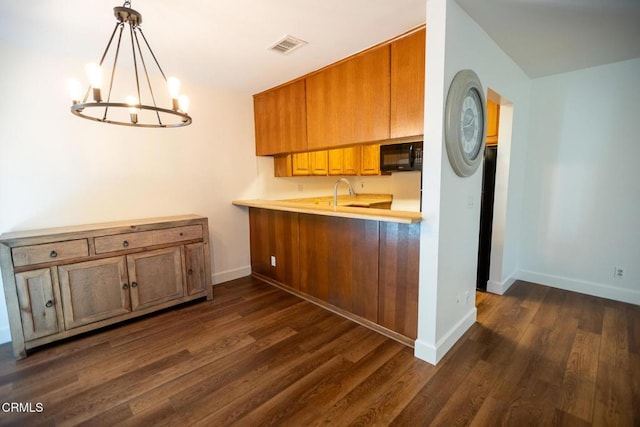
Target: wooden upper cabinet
(493, 121)
(407, 85)
(281, 119)
(348, 103)
(344, 161)
(370, 160)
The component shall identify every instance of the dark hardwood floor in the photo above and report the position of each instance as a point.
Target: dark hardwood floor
(257, 356)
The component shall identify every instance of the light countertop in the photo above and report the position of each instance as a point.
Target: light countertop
(360, 206)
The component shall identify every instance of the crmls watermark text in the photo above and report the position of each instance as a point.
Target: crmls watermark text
(22, 407)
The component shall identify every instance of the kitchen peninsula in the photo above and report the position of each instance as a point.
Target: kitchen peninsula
(359, 262)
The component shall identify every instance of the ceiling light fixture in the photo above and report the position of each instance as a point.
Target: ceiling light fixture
(131, 112)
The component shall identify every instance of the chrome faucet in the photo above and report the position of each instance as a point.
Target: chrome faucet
(335, 190)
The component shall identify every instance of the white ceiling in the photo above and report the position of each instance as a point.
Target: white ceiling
(552, 36)
(225, 43)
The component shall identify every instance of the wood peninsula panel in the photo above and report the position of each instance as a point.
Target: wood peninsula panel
(348, 103)
(339, 262)
(398, 276)
(275, 233)
(407, 85)
(281, 119)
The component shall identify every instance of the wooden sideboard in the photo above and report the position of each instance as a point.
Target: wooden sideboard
(65, 281)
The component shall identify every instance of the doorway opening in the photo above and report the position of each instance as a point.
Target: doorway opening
(493, 197)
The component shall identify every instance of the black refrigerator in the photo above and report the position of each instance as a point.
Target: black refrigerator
(486, 215)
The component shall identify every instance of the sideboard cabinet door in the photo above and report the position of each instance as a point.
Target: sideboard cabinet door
(37, 303)
(155, 277)
(93, 291)
(194, 265)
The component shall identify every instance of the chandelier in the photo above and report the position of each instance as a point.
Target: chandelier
(130, 110)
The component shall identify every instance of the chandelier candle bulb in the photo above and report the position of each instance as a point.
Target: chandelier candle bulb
(75, 90)
(94, 75)
(133, 110)
(173, 84)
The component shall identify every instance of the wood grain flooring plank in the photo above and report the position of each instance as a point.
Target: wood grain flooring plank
(355, 406)
(579, 382)
(613, 397)
(426, 405)
(615, 348)
(312, 401)
(256, 355)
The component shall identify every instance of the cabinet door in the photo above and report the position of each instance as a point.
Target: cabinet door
(407, 85)
(319, 162)
(93, 291)
(194, 264)
(300, 164)
(370, 164)
(344, 161)
(155, 277)
(37, 303)
(349, 102)
(281, 119)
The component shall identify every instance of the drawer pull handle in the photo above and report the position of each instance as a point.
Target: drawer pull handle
(190, 272)
(53, 254)
(125, 243)
(49, 304)
(125, 287)
(134, 285)
(181, 234)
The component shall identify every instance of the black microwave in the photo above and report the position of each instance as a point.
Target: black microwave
(401, 157)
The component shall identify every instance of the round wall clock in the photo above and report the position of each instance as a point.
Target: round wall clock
(465, 123)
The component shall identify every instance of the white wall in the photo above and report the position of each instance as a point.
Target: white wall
(57, 169)
(582, 182)
(451, 204)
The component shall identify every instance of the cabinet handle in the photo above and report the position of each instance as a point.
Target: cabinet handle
(49, 304)
(125, 286)
(190, 272)
(53, 254)
(125, 243)
(134, 285)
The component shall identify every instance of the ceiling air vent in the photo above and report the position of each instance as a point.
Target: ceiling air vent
(287, 44)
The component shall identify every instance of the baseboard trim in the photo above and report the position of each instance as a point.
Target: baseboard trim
(5, 335)
(581, 286)
(500, 287)
(433, 354)
(235, 273)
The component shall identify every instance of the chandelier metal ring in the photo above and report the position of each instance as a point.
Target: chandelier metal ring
(78, 110)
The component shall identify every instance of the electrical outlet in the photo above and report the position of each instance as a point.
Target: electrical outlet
(470, 202)
(299, 187)
(618, 273)
(466, 297)
(273, 261)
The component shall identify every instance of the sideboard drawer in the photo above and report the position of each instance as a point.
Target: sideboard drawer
(49, 252)
(141, 239)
